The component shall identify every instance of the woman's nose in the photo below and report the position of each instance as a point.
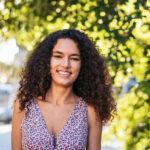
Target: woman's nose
(65, 62)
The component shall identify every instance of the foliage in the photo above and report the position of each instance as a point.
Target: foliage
(133, 118)
(120, 29)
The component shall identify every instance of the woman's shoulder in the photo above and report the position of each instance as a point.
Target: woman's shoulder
(93, 117)
(18, 114)
(16, 108)
(91, 112)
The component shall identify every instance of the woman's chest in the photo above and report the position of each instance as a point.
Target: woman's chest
(56, 118)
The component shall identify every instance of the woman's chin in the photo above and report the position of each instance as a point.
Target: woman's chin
(64, 83)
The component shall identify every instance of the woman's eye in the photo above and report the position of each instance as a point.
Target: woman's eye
(57, 56)
(76, 59)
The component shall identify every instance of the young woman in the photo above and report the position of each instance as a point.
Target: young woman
(64, 96)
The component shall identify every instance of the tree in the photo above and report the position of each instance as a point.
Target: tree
(120, 29)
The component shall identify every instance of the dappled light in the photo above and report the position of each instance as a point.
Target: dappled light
(121, 32)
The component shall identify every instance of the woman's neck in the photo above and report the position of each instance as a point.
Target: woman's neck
(60, 95)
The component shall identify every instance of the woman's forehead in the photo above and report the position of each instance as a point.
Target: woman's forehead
(66, 46)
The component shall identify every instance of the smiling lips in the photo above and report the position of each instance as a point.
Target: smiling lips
(64, 73)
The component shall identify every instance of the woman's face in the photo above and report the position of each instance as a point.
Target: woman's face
(65, 62)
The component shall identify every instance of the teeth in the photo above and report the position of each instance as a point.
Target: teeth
(63, 73)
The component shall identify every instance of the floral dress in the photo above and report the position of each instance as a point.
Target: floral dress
(73, 136)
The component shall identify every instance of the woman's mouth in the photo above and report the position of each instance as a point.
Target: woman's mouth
(63, 73)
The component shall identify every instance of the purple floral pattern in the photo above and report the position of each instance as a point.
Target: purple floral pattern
(73, 136)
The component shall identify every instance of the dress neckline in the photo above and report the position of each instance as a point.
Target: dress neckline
(50, 133)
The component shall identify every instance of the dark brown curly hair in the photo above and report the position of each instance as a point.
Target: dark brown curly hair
(93, 83)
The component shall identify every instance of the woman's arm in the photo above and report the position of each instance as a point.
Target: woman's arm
(95, 130)
(16, 130)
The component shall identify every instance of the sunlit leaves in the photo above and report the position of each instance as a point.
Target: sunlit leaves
(121, 31)
(132, 121)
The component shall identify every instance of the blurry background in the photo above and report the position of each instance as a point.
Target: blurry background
(121, 30)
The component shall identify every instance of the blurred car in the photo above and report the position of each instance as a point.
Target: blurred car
(6, 99)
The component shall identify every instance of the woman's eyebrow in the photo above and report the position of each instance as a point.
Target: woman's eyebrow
(75, 55)
(57, 52)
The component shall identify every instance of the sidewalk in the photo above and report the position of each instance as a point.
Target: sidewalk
(5, 136)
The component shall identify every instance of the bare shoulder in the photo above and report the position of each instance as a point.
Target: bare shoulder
(16, 110)
(95, 129)
(93, 118)
(16, 126)
(16, 105)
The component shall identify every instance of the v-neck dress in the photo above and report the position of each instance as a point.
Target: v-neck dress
(73, 136)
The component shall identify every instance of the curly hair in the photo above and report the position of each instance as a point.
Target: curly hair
(93, 83)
